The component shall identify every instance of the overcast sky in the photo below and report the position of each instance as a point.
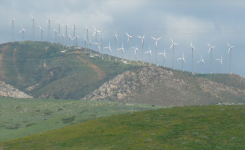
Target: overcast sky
(214, 21)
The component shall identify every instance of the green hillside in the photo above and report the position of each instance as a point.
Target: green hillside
(22, 117)
(188, 128)
(40, 69)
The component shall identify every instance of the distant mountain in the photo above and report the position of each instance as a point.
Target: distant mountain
(163, 86)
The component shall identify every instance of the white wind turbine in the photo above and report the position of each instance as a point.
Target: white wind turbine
(41, 32)
(102, 42)
(74, 30)
(91, 43)
(12, 20)
(109, 48)
(63, 36)
(156, 47)
(129, 41)
(122, 51)
(95, 34)
(192, 48)
(149, 55)
(135, 52)
(85, 42)
(59, 24)
(230, 48)
(22, 31)
(143, 38)
(86, 37)
(48, 21)
(70, 38)
(211, 49)
(164, 57)
(221, 63)
(202, 61)
(33, 27)
(98, 45)
(116, 39)
(55, 32)
(183, 61)
(75, 38)
(173, 44)
(66, 25)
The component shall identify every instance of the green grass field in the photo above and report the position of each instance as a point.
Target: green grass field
(22, 117)
(187, 128)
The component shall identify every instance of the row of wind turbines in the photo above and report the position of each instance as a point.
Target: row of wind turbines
(99, 45)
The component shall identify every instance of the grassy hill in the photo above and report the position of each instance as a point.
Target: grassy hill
(40, 69)
(22, 117)
(187, 128)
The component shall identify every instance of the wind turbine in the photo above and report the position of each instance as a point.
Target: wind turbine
(116, 39)
(62, 37)
(33, 27)
(55, 32)
(173, 44)
(156, 47)
(211, 49)
(48, 21)
(109, 48)
(192, 48)
(98, 45)
(41, 32)
(230, 48)
(221, 63)
(85, 42)
(91, 43)
(149, 54)
(12, 20)
(164, 57)
(129, 41)
(22, 31)
(70, 38)
(95, 34)
(74, 30)
(102, 42)
(59, 24)
(143, 38)
(202, 60)
(135, 52)
(75, 39)
(183, 61)
(66, 25)
(86, 37)
(122, 51)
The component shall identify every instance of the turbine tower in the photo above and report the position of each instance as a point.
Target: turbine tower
(63, 36)
(122, 51)
(102, 42)
(22, 31)
(95, 34)
(183, 61)
(59, 24)
(211, 49)
(66, 25)
(41, 33)
(230, 48)
(192, 48)
(173, 44)
(48, 21)
(143, 38)
(33, 28)
(12, 20)
(85, 42)
(75, 38)
(109, 48)
(98, 45)
(91, 43)
(74, 30)
(86, 37)
(164, 56)
(220, 60)
(129, 41)
(149, 55)
(116, 39)
(135, 52)
(156, 48)
(55, 32)
(202, 60)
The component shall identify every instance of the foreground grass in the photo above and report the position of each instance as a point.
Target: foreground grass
(23, 117)
(190, 128)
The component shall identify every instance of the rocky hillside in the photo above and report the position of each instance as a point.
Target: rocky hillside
(158, 86)
(7, 90)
